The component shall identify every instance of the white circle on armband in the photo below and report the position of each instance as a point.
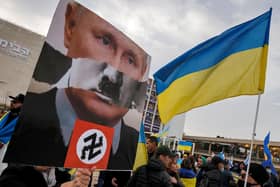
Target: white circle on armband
(91, 146)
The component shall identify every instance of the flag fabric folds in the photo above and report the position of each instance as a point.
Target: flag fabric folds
(246, 161)
(164, 131)
(230, 64)
(4, 116)
(268, 157)
(184, 146)
(266, 147)
(141, 153)
(221, 155)
(7, 131)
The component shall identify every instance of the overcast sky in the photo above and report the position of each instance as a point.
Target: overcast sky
(166, 29)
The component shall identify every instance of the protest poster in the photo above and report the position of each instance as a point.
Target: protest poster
(89, 77)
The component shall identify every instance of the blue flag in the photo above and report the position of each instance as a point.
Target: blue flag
(7, 130)
(268, 157)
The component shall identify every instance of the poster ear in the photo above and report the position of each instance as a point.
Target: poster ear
(138, 100)
(70, 22)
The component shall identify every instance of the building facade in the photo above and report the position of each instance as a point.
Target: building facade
(236, 149)
(19, 51)
(151, 118)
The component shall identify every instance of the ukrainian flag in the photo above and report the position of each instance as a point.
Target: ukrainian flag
(266, 150)
(141, 153)
(184, 146)
(230, 64)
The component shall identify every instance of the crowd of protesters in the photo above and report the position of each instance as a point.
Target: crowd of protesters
(164, 168)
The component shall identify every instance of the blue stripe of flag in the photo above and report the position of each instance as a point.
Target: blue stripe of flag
(185, 143)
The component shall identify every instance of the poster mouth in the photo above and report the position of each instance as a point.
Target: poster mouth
(104, 98)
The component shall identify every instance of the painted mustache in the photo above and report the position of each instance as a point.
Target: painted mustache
(111, 85)
(111, 89)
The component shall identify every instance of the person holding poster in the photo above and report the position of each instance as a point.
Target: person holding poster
(81, 123)
(43, 176)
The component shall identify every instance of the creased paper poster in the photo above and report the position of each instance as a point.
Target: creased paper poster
(86, 97)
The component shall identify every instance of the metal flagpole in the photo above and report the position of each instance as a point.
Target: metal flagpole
(193, 148)
(253, 138)
(174, 144)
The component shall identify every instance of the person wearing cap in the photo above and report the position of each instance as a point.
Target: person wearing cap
(8, 121)
(257, 177)
(174, 172)
(155, 172)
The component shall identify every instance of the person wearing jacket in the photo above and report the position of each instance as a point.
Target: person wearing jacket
(213, 173)
(174, 172)
(187, 174)
(257, 177)
(155, 172)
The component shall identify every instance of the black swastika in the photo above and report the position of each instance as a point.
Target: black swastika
(91, 148)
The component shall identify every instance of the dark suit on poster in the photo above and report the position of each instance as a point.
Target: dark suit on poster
(51, 66)
(39, 130)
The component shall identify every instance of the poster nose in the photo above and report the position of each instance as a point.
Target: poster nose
(113, 75)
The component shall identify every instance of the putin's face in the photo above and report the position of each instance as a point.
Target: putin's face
(89, 36)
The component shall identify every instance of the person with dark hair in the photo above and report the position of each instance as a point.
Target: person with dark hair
(257, 176)
(201, 168)
(151, 143)
(213, 174)
(187, 174)
(155, 172)
(174, 172)
(241, 168)
(192, 159)
(227, 177)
